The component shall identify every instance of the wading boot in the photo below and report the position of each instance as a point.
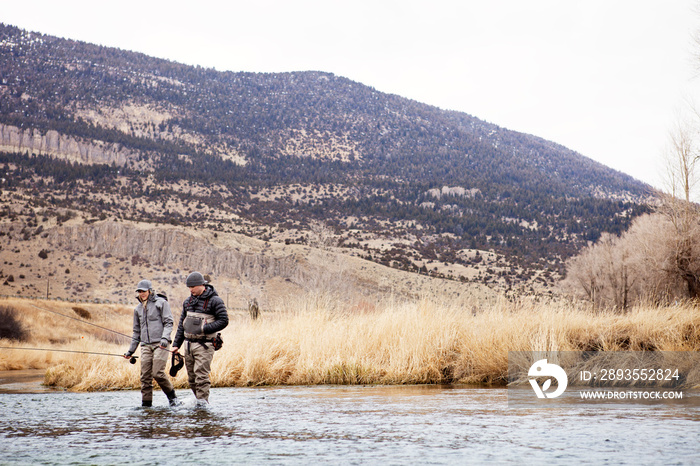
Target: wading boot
(172, 398)
(147, 403)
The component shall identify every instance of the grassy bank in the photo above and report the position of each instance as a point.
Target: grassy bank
(320, 340)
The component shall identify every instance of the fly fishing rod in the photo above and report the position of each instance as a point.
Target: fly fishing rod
(94, 325)
(84, 321)
(132, 360)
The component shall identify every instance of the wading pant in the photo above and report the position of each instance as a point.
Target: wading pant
(153, 362)
(198, 359)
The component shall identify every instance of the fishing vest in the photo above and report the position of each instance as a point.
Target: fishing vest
(194, 323)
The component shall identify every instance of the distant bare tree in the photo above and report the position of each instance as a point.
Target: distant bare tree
(584, 274)
(678, 204)
(649, 243)
(321, 235)
(604, 272)
(658, 258)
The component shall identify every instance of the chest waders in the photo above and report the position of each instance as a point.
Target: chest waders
(193, 326)
(198, 357)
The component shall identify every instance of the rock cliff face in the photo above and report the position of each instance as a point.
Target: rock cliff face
(54, 144)
(240, 266)
(169, 246)
(104, 261)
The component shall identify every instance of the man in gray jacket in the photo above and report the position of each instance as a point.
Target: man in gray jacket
(153, 324)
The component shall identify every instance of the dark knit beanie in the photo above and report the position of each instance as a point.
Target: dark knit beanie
(195, 279)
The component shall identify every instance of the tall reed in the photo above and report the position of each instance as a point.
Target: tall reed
(323, 340)
(319, 342)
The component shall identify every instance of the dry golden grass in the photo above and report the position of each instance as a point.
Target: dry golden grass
(49, 330)
(318, 340)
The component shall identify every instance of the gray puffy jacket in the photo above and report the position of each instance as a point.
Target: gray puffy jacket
(153, 325)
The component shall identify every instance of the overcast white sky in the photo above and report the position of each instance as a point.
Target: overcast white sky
(605, 78)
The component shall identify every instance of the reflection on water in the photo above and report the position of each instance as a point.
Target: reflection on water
(340, 424)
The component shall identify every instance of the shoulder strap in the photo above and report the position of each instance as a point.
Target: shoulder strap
(204, 307)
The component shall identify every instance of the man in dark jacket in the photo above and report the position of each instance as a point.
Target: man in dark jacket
(153, 324)
(203, 314)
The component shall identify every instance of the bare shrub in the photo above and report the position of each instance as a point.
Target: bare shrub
(82, 313)
(640, 266)
(10, 326)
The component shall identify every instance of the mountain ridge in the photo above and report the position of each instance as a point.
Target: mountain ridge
(268, 155)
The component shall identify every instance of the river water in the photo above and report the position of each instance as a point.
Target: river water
(342, 425)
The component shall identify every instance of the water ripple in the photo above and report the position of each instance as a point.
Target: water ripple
(339, 424)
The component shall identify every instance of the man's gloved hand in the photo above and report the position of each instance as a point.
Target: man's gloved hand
(127, 355)
(164, 343)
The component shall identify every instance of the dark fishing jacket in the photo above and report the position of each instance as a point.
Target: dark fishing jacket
(214, 306)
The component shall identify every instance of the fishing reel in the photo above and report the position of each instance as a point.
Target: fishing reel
(133, 360)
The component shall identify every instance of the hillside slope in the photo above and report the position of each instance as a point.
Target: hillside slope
(296, 158)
